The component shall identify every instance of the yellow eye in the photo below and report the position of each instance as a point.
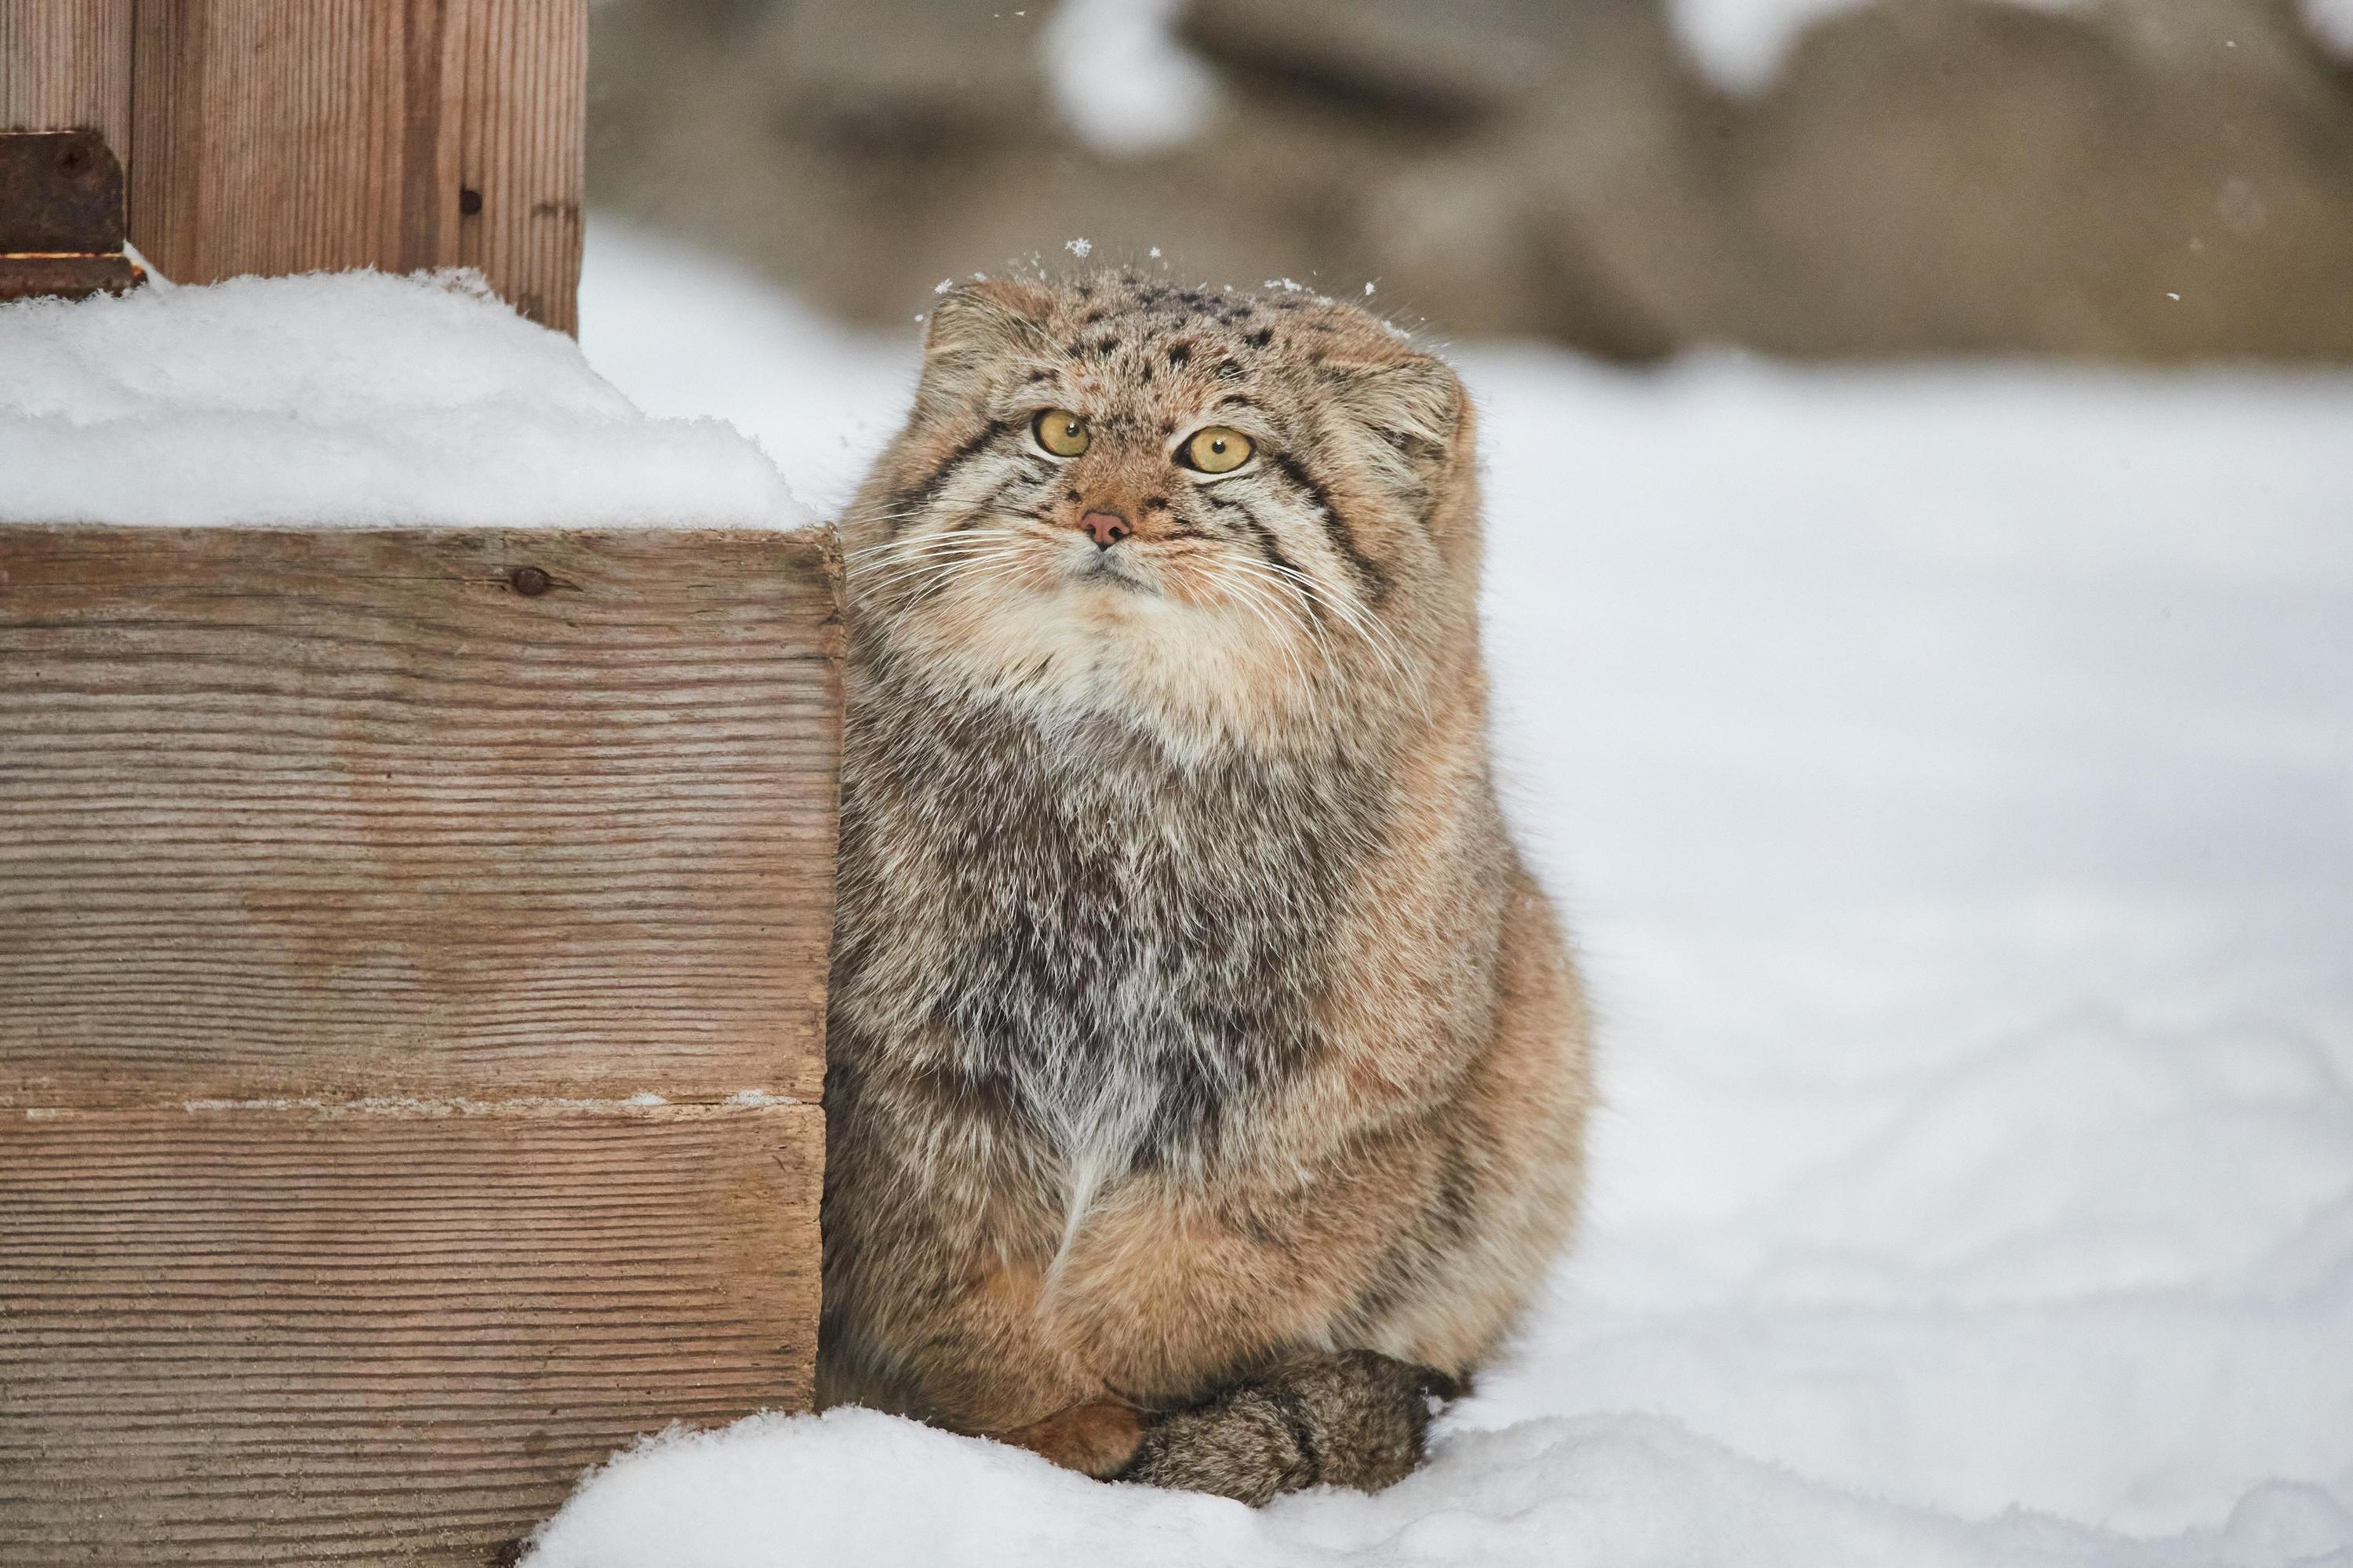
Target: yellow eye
(1220, 448)
(1062, 432)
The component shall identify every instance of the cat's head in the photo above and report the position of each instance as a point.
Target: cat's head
(1226, 512)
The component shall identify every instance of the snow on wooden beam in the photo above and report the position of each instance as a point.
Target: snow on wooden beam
(412, 962)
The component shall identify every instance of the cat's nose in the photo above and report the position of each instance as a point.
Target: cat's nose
(1105, 528)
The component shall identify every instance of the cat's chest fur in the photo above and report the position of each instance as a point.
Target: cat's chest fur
(1112, 943)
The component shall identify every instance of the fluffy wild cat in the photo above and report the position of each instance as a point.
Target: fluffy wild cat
(1207, 1077)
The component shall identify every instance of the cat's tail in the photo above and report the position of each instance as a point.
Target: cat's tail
(1344, 1419)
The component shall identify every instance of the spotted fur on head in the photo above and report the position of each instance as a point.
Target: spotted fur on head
(1192, 1017)
(1310, 586)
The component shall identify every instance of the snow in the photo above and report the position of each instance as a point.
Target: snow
(1119, 76)
(1740, 44)
(354, 400)
(853, 1487)
(2331, 22)
(1950, 774)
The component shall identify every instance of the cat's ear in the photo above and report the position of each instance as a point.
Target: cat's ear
(978, 328)
(1415, 411)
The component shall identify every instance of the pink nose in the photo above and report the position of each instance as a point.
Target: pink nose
(1105, 528)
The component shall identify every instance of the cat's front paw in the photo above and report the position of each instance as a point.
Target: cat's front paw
(1343, 1418)
(1094, 1439)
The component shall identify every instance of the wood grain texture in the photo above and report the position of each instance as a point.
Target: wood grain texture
(249, 1336)
(281, 136)
(412, 964)
(266, 135)
(335, 814)
(65, 65)
(516, 93)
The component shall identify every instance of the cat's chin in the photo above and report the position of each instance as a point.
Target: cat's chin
(1194, 674)
(1107, 573)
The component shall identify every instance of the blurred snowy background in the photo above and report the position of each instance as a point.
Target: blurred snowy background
(1940, 732)
(2145, 180)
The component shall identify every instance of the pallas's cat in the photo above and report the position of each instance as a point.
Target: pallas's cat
(1207, 1077)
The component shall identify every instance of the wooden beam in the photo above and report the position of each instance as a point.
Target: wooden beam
(412, 964)
(249, 1335)
(515, 91)
(281, 136)
(266, 135)
(340, 813)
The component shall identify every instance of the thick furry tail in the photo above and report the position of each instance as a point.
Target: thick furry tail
(1346, 1418)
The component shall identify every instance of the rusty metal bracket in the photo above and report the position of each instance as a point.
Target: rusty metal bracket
(61, 224)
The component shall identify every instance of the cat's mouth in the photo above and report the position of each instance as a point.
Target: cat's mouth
(1111, 569)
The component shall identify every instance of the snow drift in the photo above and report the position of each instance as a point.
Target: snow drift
(349, 399)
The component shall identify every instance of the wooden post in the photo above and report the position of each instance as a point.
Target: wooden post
(65, 65)
(412, 965)
(281, 136)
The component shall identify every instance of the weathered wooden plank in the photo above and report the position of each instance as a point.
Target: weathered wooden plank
(281, 136)
(260, 1335)
(327, 815)
(412, 957)
(65, 65)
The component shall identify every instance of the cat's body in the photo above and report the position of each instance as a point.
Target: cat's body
(1193, 1023)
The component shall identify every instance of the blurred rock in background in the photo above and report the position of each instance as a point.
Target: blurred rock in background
(2138, 180)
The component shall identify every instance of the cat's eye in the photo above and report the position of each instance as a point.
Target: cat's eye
(1062, 432)
(1219, 449)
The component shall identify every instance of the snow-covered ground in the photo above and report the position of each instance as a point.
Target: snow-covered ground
(1950, 774)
